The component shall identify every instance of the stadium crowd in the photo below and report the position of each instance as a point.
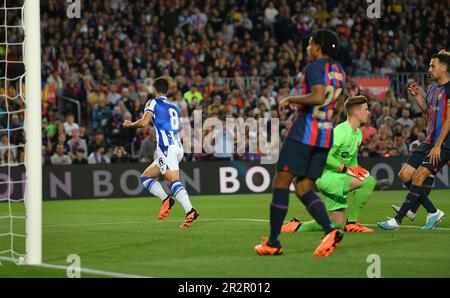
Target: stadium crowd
(107, 61)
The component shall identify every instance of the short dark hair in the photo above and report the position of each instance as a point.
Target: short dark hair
(353, 101)
(444, 57)
(161, 85)
(327, 40)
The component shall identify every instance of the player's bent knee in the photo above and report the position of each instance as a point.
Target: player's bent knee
(301, 189)
(418, 178)
(406, 173)
(282, 180)
(172, 176)
(404, 176)
(369, 182)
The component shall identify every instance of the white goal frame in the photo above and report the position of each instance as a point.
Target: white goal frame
(33, 132)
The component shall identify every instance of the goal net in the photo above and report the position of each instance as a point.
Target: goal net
(20, 132)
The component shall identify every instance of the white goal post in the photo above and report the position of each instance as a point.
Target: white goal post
(33, 131)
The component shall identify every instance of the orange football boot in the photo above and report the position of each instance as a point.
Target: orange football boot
(326, 247)
(357, 227)
(165, 208)
(265, 249)
(190, 217)
(292, 226)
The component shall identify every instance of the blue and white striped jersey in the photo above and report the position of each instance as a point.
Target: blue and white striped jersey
(166, 120)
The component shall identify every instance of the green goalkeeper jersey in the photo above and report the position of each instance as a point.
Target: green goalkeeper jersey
(346, 142)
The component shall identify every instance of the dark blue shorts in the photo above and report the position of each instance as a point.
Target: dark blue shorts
(302, 160)
(434, 169)
(416, 157)
(419, 157)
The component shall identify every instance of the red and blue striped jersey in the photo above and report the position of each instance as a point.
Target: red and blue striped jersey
(438, 99)
(313, 125)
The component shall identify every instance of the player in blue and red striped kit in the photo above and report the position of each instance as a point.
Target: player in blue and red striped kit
(304, 153)
(434, 153)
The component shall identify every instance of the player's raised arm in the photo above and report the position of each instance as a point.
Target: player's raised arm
(413, 89)
(143, 122)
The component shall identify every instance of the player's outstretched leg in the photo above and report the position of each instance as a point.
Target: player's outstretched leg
(182, 196)
(326, 247)
(293, 225)
(305, 192)
(278, 211)
(155, 188)
(296, 225)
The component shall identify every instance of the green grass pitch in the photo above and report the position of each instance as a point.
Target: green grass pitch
(124, 236)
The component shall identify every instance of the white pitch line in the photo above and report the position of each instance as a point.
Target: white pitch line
(149, 221)
(410, 227)
(201, 219)
(82, 270)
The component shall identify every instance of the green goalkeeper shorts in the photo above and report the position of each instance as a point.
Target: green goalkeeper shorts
(334, 186)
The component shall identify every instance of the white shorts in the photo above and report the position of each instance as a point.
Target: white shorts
(169, 161)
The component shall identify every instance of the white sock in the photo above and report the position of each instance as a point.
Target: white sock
(181, 195)
(154, 187)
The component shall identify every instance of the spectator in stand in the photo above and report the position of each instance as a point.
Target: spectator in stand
(397, 129)
(9, 158)
(119, 155)
(362, 66)
(80, 157)
(69, 125)
(45, 158)
(99, 139)
(126, 135)
(62, 140)
(82, 132)
(193, 96)
(385, 113)
(368, 131)
(59, 157)
(4, 146)
(139, 137)
(419, 141)
(21, 156)
(223, 143)
(405, 120)
(114, 125)
(100, 115)
(147, 148)
(267, 98)
(75, 143)
(137, 110)
(393, 113)
(388, 124)
(113, 95)
(270, 14)
(16, 132)
(98, 156)
(400, 145)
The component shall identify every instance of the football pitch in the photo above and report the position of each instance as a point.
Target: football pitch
(123, 238)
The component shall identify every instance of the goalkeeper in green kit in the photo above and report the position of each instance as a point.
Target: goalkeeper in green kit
(342, 174)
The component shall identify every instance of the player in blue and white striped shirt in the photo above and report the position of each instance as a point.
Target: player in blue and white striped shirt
(166, 119)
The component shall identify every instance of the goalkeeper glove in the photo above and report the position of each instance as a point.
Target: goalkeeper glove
(357, 172)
